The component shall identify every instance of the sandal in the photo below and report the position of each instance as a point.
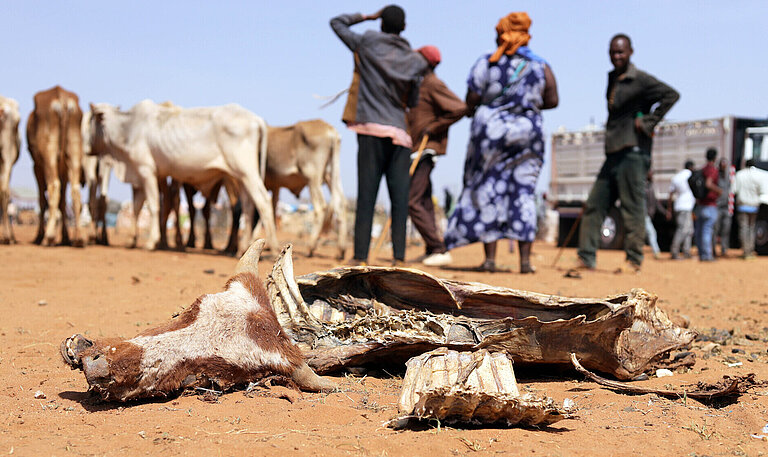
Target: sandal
(526, 268)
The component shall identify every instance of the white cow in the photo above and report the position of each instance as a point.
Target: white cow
(9, 154)
(199, 146)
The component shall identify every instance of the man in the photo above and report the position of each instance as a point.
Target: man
(706, 209)
(385, 80)
(631, 94)
(438, 108)
(681, 196)
(751, 188)
(722, 229)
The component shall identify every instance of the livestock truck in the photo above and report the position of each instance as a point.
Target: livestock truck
(578, 155)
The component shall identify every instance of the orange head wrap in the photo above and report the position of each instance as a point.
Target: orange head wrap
(513, 33)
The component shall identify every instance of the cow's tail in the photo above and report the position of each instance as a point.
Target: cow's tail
(63, 123)
(263, 134)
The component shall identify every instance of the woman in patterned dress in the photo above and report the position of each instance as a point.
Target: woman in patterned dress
(506, 91)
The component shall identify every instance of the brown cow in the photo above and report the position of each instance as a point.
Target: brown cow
(9, 154)
(224, 339)
(307, 154)
(56, 145)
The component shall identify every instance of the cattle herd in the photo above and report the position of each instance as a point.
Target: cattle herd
(203, 149)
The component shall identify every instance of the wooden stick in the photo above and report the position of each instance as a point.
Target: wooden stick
(385, 230)
(568, 237)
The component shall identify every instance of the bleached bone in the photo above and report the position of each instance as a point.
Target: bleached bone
(224, 339)
(357, 316)
(471, 387)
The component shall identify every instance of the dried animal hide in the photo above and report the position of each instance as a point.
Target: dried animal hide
(471, 387)
(357, 316)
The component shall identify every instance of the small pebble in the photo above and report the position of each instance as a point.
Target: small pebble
(737, 351)
(42, 303)
(209, 271)
(40, 395)
(663, 372)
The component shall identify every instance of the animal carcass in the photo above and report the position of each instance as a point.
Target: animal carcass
(358, 316)
(199, 146)
(471, 387)
(56, 144)
(9, 154)
(223, 339)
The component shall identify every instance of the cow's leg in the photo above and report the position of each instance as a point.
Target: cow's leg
(318, 211)
(65, 241)
(338, 201)
(53, 187)
(73, 171)
(262, 200)
(93, 208)
(139, 196)
(164, 196)
(189, 191)
(236, 208)
(42, 201)
(211, 198)
(105, 170)
(176, 205)
(5, 198)
(153, 203)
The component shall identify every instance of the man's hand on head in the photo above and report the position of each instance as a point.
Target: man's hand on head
(374, 16)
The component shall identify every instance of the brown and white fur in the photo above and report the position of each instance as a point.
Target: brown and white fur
(225, 339)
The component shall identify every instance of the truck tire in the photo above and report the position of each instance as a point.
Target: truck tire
(612, 230)
(761, 231)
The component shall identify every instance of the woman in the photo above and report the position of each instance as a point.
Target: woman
(506, 92)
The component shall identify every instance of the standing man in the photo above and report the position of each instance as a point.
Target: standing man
(385, 81)
(750, 186)
(722, 230)
(437, 109)
(706, 209)
(631, 94)
(681, 196)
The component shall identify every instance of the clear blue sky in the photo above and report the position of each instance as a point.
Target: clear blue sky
(271, 57)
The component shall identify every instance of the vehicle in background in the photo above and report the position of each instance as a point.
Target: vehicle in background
(578, 155)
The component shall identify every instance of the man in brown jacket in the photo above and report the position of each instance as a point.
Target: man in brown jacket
(436, 110)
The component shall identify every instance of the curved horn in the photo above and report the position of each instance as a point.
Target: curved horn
(307, 379)
(249, 262)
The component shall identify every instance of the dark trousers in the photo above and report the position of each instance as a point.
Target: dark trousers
(376, 157)
(420, 206)
(622, 177)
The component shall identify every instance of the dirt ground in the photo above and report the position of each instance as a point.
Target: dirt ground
(48, 294)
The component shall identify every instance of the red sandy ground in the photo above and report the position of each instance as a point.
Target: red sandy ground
(48, 294)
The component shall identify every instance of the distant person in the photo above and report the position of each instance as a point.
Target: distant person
(438, 108)
(682, 202)
(706, 209)
(750, 186)
(385, 81)
(507, 90)
(631, 95)
(652, 207)
(722, 229)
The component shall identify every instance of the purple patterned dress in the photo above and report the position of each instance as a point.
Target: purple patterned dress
(505, 153)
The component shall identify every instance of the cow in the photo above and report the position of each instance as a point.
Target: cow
(9, 154)
(307, 154)
(232, 193)
(55, 142)
(96, 174)
(199, 146)
(225, 339)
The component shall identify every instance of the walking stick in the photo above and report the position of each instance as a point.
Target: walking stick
(568, 237)
(383, 234)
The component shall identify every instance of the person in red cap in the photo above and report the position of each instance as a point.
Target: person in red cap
(437, 109)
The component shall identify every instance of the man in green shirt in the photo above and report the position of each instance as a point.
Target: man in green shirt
(631, 95)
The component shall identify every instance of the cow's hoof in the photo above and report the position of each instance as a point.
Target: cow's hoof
(5, 241)
(72, 347)
(79, 243)
(49, 242)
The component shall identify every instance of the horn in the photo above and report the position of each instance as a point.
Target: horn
(249, 262)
